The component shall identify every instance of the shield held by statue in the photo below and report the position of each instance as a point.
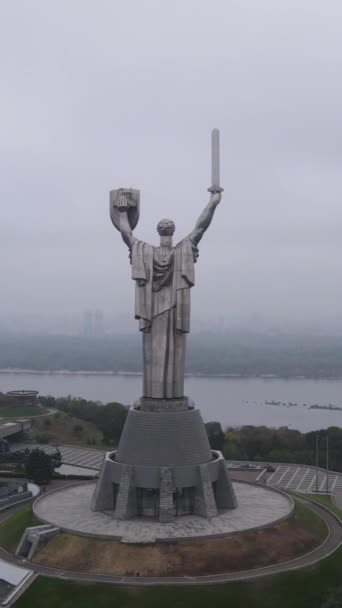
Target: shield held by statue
(133, 211)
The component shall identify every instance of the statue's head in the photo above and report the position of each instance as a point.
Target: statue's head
(166, 227)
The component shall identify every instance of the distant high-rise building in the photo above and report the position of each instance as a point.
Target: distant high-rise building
(88, 324)
(93, 323)
(98, 323)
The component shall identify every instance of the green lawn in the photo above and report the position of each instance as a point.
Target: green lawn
(12, 529)
(20, 411)
(302, 589)
(310, 521)
(326, 502)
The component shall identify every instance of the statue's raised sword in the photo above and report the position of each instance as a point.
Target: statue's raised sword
(132, 196)
(215, 162)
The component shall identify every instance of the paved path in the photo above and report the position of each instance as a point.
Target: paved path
(332, 543)
(11, 573)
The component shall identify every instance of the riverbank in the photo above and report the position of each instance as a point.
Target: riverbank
(231, 401)
(67, 372)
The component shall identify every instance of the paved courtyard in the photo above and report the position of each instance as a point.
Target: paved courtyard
(301, 478)
(70, 509)
(80, 457)
(296, 477)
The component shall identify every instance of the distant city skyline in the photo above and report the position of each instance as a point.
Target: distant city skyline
(96, 323)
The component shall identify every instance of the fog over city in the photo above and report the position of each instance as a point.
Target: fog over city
(100, 95)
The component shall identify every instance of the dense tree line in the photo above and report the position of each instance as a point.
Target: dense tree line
(6, 401)
(241, 353)
(45, 352)
(256, 443)
(333, 599)
(260, 443)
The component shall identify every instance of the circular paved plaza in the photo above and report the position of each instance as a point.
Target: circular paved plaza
(69, 509)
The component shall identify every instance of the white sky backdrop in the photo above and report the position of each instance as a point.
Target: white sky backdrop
(102, 94)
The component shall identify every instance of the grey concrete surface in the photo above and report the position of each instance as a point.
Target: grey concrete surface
(73, 455)
(337, 499)
(164, 439)
(294, 477)
(70, 509)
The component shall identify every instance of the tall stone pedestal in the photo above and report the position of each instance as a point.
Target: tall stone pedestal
(163, 467)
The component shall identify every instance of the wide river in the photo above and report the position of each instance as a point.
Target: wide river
(232, 401)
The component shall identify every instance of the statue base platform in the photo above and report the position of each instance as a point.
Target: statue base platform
(147, 404)
(163, 467)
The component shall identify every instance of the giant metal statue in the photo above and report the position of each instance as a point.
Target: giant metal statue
(163, 277)
(163, 467)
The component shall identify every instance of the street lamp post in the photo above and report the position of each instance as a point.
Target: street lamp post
(316, 462)
(327, 464)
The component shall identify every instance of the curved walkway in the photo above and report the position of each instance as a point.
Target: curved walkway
(331, 544)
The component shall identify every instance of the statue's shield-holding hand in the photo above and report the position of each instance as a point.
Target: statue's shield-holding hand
(133, 206)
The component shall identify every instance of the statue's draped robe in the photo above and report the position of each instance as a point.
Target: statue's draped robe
(163, 278)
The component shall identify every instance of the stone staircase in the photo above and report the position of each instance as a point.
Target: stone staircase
(34, 538)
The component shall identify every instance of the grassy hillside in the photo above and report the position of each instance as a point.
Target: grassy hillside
(15, 410)
(302, 589)
(12, 529)
(278, 543)
(62, 428)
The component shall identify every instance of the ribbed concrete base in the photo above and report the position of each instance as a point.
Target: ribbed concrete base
(163, 468)
(163, 405)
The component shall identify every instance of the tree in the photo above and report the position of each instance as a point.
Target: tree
(334, 599)
(215, 435)
(39, 466)
(56, 459)
(110, 419)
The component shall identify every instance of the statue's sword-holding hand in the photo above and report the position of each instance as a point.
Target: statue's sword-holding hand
(215, 198)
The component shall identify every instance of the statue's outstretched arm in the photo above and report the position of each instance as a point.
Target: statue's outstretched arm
(205, 218)
(125, 228)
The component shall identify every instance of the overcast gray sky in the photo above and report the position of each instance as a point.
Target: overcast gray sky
(101, 94)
